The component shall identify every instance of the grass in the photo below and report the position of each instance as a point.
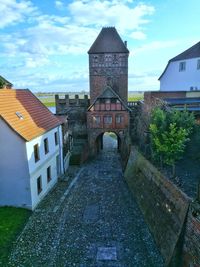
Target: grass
(135, 98)
(12, 221)
(49, 99)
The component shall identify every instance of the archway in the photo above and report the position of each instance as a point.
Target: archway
(110, 141)
(107, 141)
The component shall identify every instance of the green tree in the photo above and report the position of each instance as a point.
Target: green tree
(1, 83)
(169, 134)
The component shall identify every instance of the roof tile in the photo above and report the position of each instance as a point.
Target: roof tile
(32, 119)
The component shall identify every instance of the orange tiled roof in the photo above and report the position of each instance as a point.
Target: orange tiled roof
(25, 114)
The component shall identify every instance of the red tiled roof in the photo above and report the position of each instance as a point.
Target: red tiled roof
(25, 114)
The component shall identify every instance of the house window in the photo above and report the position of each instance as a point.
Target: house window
(46, 145)
(49, 174)
(36, 152)
(119, 119)
(39, 184)
(107, 119)
(56, 138)
(198, 64)
(182, 66)
(96, 119)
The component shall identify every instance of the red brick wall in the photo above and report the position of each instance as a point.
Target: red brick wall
(191, 249)
(118, 73)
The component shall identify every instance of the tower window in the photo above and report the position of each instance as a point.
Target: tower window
(182, 66)
(96, 119)
(119, 119)
(107, 119)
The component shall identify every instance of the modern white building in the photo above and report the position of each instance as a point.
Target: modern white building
(182, 72)
(31, 157)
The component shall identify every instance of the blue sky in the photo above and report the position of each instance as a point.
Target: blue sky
(44, 43)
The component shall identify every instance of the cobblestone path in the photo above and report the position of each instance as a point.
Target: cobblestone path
(94, 223)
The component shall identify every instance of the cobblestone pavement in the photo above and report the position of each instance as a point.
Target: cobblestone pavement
(93, 223)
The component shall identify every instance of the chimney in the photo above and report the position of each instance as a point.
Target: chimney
(125, 43)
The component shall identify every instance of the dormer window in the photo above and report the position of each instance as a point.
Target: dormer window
(19, 115)
(198, 64)
(182, 66)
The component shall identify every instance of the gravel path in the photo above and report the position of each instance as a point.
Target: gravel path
(94, 223)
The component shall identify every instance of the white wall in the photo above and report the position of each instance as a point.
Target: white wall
(39, 168)
(14, 172)
(175, 80)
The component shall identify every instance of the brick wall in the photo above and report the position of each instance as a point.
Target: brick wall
(173, 218)
(191, 247)
(104, 74)
(163, 205)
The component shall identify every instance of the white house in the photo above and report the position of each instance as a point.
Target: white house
(30, 149)
(182, 72)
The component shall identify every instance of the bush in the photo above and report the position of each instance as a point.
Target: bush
(170, 132)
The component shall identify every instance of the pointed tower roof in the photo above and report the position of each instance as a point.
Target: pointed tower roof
(108, 41)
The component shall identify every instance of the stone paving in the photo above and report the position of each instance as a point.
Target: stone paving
(94, 222)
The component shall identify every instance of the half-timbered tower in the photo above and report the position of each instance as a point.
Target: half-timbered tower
(108, 111)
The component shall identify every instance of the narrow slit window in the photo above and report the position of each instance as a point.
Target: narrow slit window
(36, 152)
(56, 138)
(39, 185)
(49, 174)
(46, 146)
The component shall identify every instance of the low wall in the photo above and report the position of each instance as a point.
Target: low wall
(191, 247)
(164, 206)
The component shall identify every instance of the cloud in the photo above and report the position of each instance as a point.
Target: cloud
(144, 81)
(155, 45)
(107, 13)
(30, 52)
(59, 4)
(138, 35)
(13, 12)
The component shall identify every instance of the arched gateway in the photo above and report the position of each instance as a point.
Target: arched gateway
(108, 111)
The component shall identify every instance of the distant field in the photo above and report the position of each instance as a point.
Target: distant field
(48, 99)
(12, 221)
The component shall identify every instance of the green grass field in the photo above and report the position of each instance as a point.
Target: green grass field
(48, 99)
(12, 221)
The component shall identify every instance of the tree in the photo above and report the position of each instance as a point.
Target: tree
(169, 134)
(1, 84)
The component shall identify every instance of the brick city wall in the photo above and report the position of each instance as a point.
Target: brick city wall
(164, 206)
(76, 110)
(191, 247)
(173, 218)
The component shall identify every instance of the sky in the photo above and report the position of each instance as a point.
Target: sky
(44, 43)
